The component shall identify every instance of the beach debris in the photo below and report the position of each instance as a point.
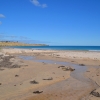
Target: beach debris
(94, 93)
(7, 63)
(16, 75)
(1, 69)
(0, 83)
(81, 64)
(61, 66)
(25, 65)
(48, 79)
(16, 66)
(14, 85)
(87, 71)
(34, 82)
(37, 92)
(43, 62)
(68, 69)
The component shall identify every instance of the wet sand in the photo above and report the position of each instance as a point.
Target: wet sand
(41, 77)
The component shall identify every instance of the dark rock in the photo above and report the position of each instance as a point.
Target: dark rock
(81, 64)
(0, 83)
(68, 69)
(94, 93)
(37, 92)
(71, 69)
(34, 82)
(16, 75)
(48, 79)
(61, 66)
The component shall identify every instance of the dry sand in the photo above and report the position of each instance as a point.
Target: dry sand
(15, 82)
(63, 54)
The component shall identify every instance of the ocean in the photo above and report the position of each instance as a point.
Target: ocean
(86, 48)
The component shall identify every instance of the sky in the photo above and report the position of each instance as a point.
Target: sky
(53, 22)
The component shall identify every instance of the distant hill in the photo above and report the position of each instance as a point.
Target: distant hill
(10, 43)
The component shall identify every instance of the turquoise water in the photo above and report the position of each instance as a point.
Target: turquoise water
(87, 48)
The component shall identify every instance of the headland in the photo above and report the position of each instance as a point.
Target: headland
(16, 43)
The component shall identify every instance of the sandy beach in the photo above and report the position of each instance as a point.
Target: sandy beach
(49, 75)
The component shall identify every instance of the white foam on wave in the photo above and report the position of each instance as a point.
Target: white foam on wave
(95, 50)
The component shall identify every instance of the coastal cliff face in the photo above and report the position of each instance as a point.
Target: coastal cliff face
(7, 43)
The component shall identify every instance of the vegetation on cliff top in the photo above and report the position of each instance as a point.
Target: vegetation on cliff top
(11, 43)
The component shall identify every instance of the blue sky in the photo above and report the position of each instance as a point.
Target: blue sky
(53, 22)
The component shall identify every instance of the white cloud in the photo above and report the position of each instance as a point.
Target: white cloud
(0, 22)
(2, 16)
(37, 3)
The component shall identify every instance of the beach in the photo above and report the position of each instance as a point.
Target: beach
(49, 75)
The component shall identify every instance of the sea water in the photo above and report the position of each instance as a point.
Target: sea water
(86, 48)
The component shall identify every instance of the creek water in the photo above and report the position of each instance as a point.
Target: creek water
(77, 74)
(83, 83)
